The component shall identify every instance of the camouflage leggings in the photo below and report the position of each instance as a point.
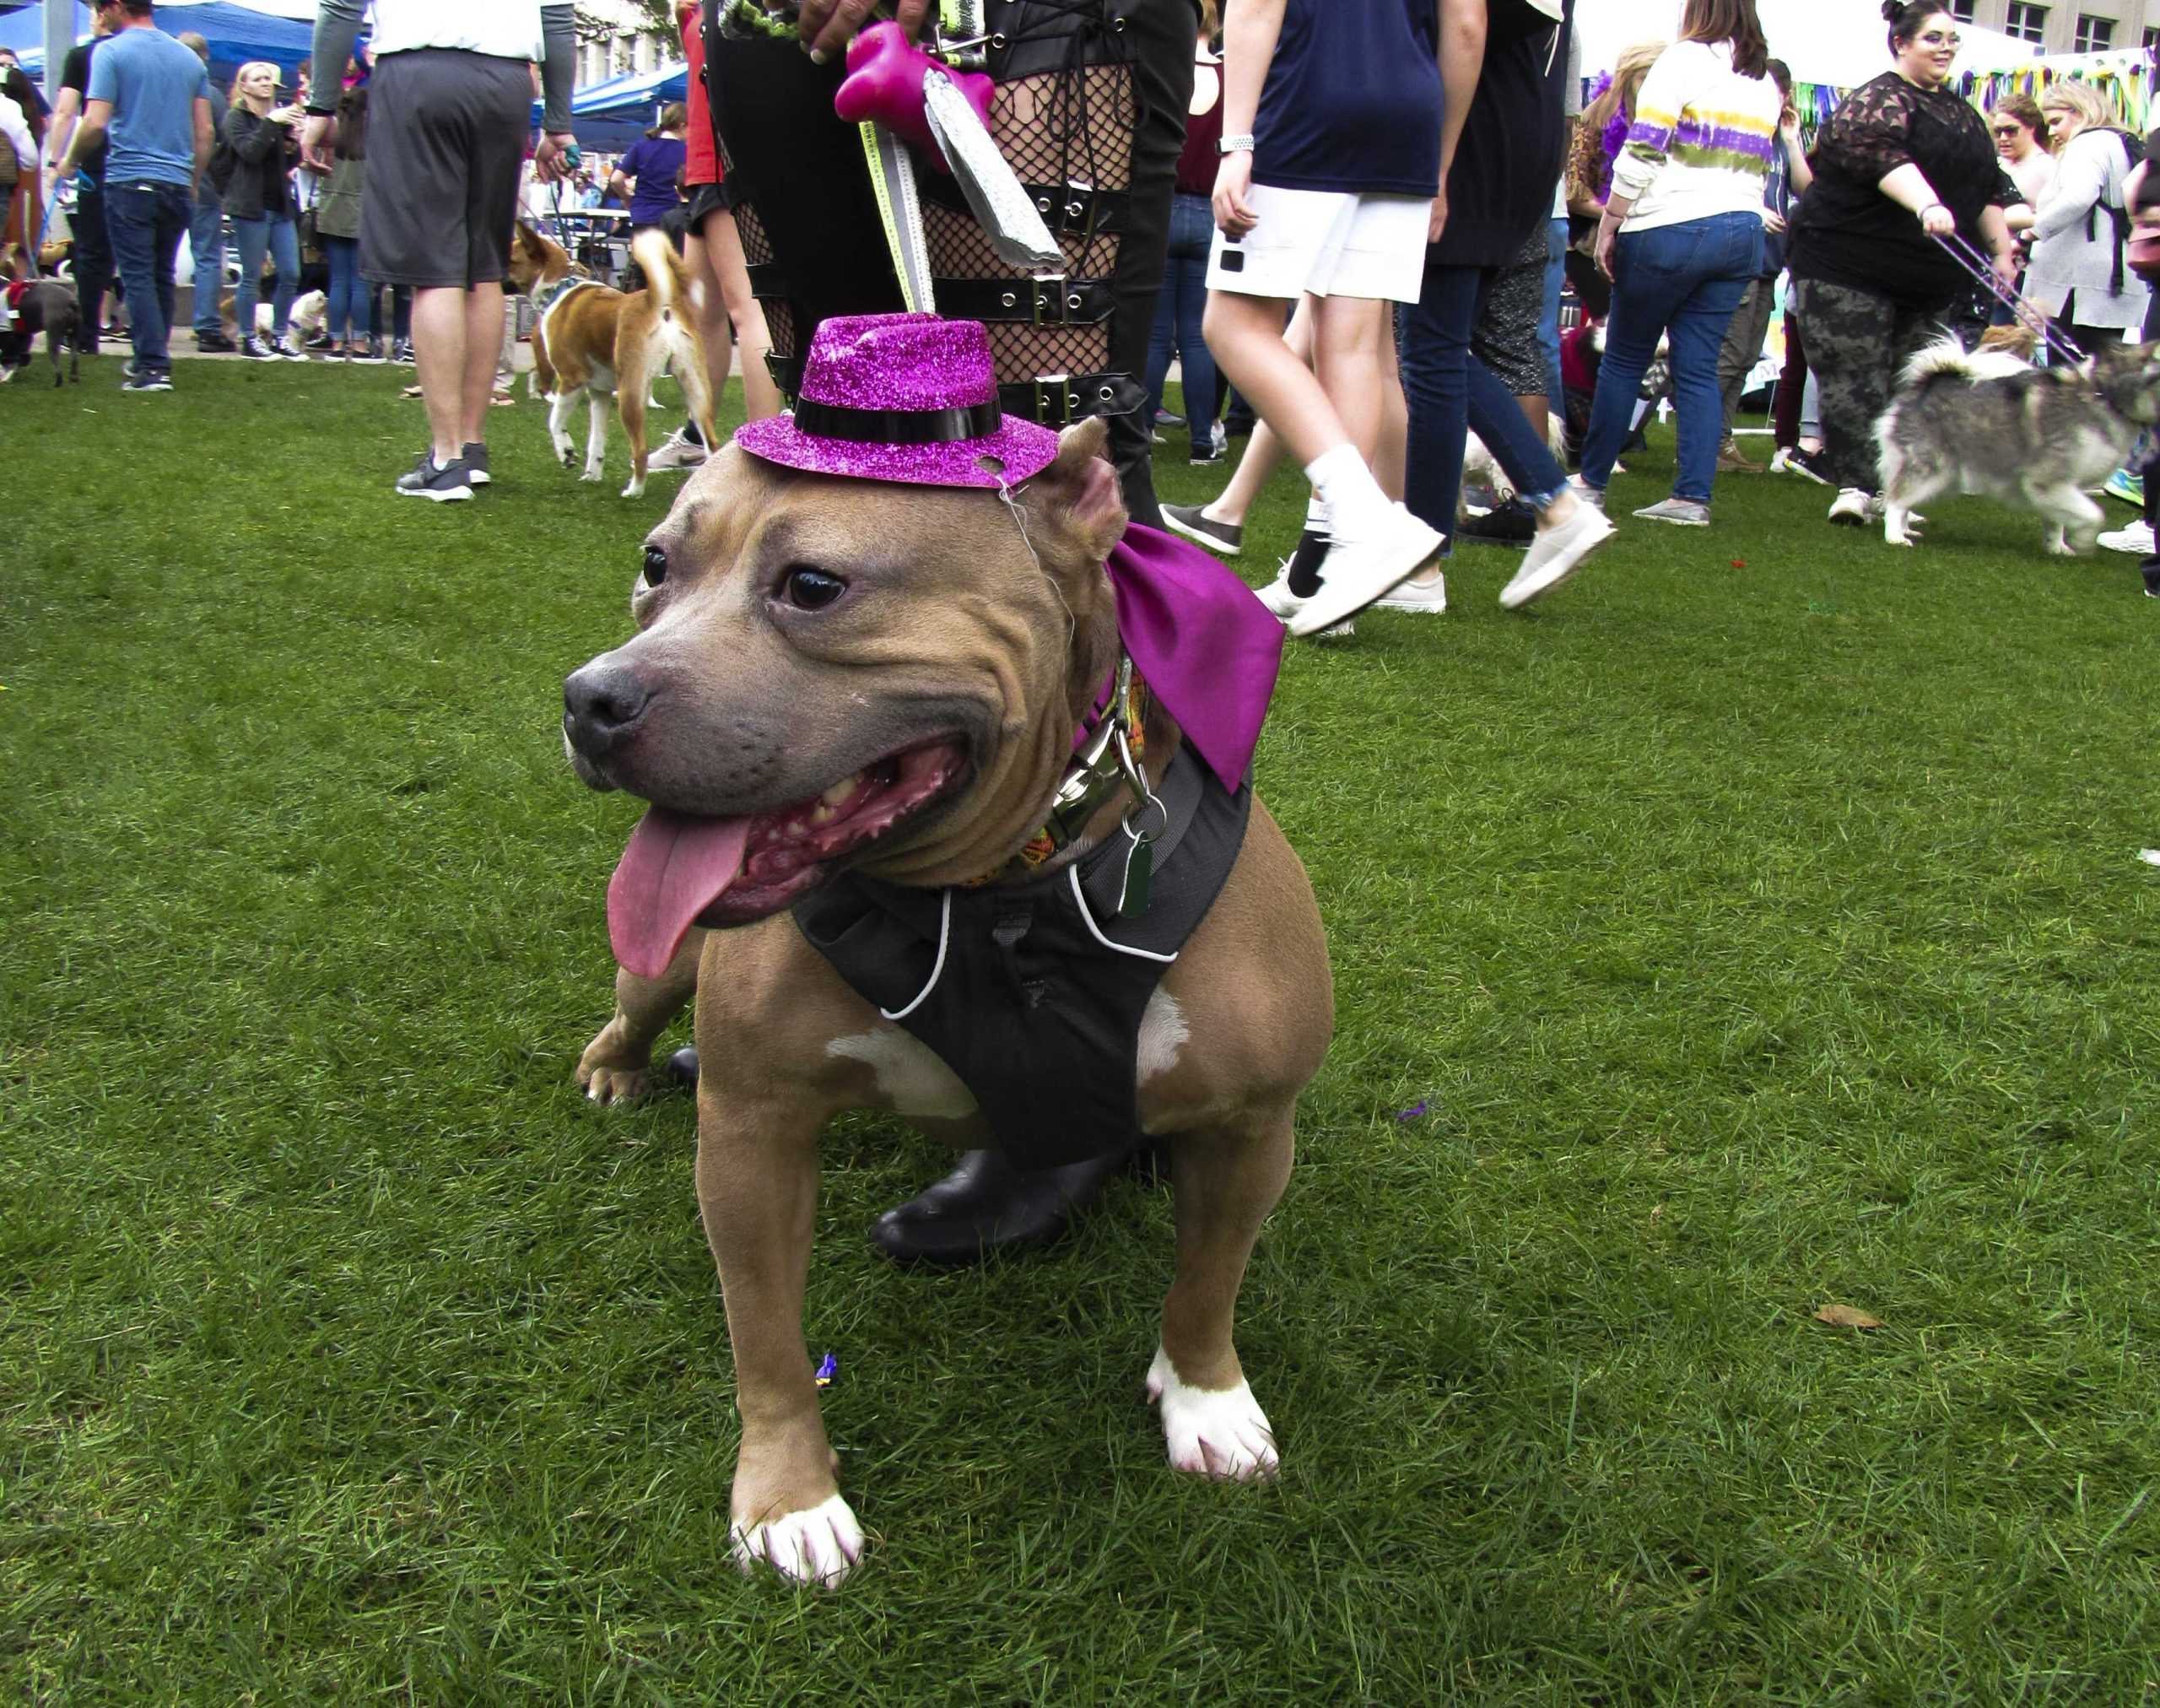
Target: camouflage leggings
(1857, 343)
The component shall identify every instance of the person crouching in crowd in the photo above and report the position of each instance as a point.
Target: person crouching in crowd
(259, 142)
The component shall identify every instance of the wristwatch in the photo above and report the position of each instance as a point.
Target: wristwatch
(1235, 145)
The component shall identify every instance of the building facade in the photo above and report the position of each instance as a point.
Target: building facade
(2067, 26)
(616, 38)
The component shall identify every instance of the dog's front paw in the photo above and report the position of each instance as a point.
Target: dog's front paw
(634, 490)
(591, 474)
(1214, 1432)
(820, 1544)
(609, 1072)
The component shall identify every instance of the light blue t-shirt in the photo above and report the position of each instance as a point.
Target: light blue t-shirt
(152, 82)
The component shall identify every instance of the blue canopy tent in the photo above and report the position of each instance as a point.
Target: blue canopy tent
(609, 116)
(236, 35)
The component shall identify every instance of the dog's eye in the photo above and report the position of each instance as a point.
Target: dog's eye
(809, 589)
(656, 566)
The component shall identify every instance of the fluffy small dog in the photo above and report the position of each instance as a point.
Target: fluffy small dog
(304, 318)
(1985, 422)
(1481, 467)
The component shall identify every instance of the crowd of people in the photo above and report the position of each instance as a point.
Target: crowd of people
(1274, 211)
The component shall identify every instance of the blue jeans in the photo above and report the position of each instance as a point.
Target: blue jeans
(1448, 390)
(1685, 281)
(1177, 309)
(253, 238)
(1548, 318)
(347, 303)
(206, 242)
(145, 221)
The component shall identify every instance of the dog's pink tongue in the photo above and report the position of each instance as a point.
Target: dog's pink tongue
(675, 867)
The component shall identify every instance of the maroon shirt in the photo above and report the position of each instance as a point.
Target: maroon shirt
(1196, 165)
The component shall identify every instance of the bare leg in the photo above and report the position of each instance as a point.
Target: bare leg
(484, 337)
(1391, 455)
(1241, 331)
(724, 252)
(1263, 450)
(712, 313)
(438, 338)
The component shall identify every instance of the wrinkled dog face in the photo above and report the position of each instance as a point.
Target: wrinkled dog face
(838, 673)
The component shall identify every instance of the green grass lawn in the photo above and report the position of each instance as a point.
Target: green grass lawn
(1757, 925)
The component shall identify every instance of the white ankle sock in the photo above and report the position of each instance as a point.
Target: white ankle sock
(1345, 487)
(1316, 515)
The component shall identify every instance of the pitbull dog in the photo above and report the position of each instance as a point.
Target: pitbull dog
(887, 679)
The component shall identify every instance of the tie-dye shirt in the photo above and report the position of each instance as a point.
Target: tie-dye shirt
(1701, 141)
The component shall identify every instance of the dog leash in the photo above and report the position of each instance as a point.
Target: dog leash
(1961, 251)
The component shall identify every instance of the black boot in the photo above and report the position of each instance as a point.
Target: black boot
(987, 1205)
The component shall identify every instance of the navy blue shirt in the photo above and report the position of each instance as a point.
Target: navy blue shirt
(1352, 98)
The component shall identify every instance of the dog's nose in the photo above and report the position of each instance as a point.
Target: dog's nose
(602, 704)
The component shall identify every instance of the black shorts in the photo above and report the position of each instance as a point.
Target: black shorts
(705, 201)
(446, 136)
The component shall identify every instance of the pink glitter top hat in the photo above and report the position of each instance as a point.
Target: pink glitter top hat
(905, 397)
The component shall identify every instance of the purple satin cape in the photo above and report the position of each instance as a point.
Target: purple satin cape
(1207, 649)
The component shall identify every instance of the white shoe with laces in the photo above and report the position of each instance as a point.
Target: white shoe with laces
(2136, 539)
(1283, 602)
(1555, 553)
(1851, 507)
(1429, 597)
(677, 452)
(1361, 566)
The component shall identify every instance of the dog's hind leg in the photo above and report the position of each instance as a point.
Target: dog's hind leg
(616, 1065)
(2073, 519)
(1227, 1182)
(630, 404)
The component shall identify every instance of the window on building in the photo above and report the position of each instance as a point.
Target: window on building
(2026, 23)
(1962, 10)
(2094, 34)
(2152, 41)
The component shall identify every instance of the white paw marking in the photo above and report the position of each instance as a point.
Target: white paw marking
(912, 1077)
(1214, 1432)
(634, 490)
(1163, 1033)
(820, 1544)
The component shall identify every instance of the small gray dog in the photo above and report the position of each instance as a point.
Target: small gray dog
(1986, 422)
(47, 306)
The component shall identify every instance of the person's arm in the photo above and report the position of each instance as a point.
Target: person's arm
(67, 112)
(1462, 61)
(254, 139)
(337, 27)
(1249, 38)
(2080, 175)
(1798, 173)
(1664, 96)
(204, 131)
(2000, 245)
(97, 118)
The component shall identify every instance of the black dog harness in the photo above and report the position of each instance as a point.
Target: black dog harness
(1033, 992)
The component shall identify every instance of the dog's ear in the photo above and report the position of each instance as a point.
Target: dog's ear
(1078, 493)
(530, 241)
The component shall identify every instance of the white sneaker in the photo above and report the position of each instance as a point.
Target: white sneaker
(1555, 553)
(2136, 539)
(1432, 598)
(1283, 602)
(1851, 506)
(677, 452)
(1593, 496)
(1357, 571)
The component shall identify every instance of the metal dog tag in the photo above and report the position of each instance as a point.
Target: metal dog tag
(1139, 880)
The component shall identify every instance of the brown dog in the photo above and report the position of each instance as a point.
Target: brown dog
(921, 720)
(598, 342)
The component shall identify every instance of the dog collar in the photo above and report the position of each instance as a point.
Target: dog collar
(1107, 759)
(551, 294)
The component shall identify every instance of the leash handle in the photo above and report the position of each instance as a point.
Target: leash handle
(1960, 250)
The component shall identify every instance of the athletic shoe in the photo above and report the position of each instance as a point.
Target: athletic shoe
(214, 344)
(2136, 538)
(1283, 602)
(1509, 524)
(475, 459)
(1806, 464)
(676, 452)
(2128, 487)
(1190, 520)
(371, 353)
(1218, 435)
(426, 478)
(1169, 418)
(1851, 507)
(1555, 553)
(1204, 459)
(1681, 513)
(1731, 461)
(2152, 573)
(147, 383)
(319, 343)
(1358, 570)
(1410, 597)
(401, 352)
(256, 350)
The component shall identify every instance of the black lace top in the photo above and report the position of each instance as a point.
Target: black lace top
(1848, 232)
